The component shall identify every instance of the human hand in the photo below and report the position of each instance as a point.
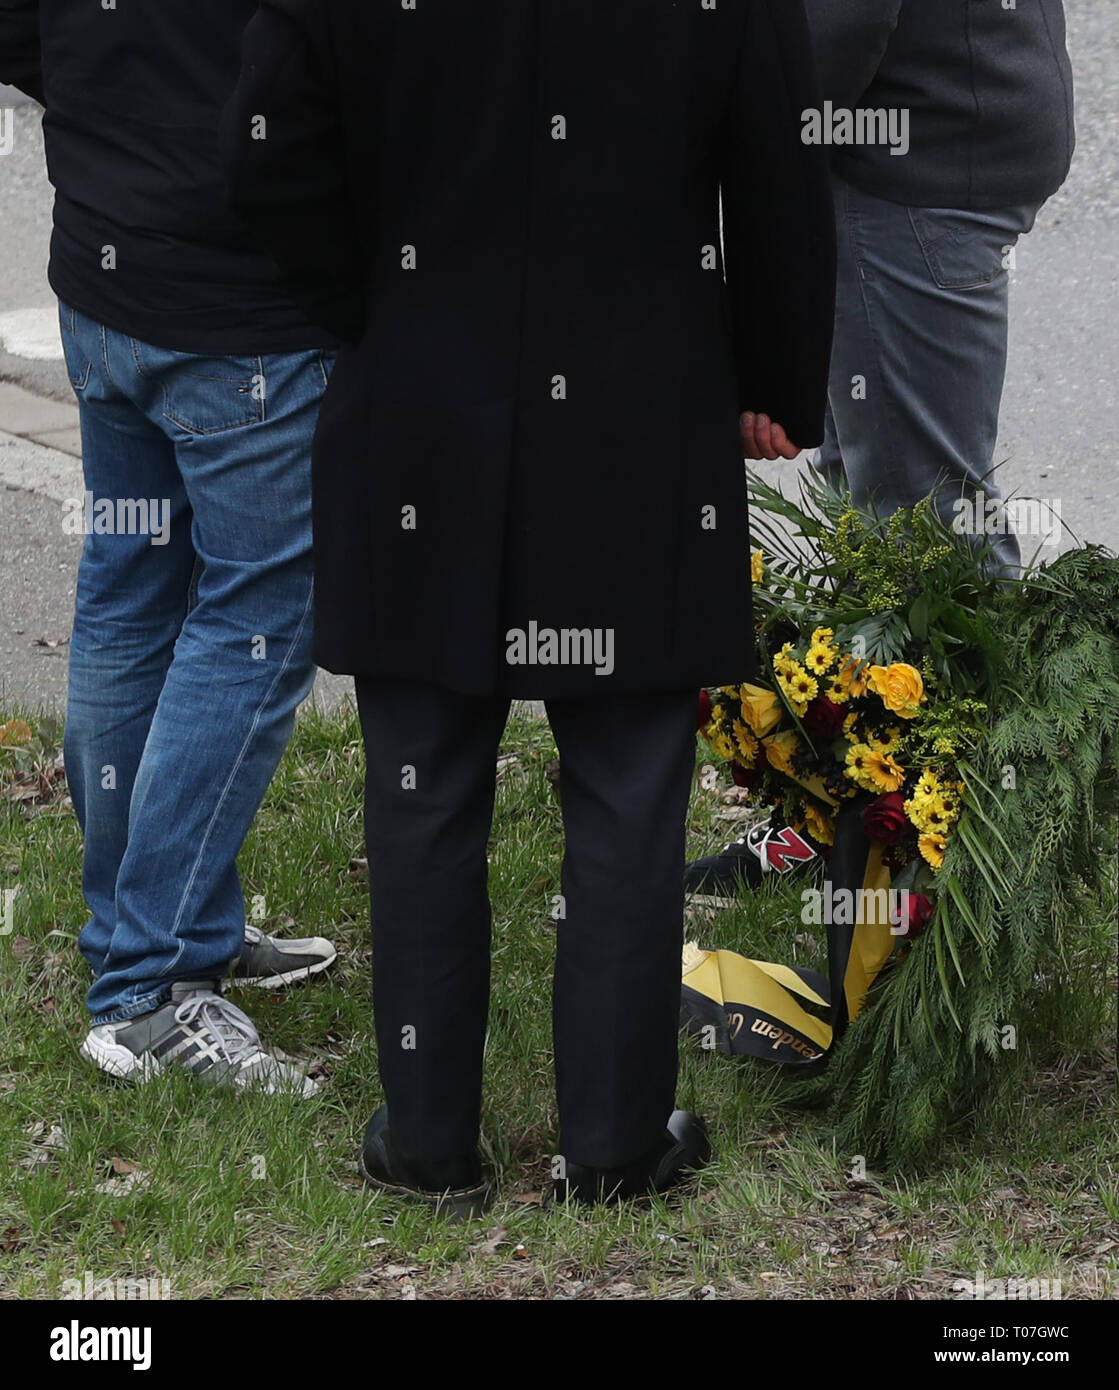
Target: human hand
(763, 438)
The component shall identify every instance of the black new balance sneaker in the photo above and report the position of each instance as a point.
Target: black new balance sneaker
(203, 1033)
(719, 880)
(684, 1149)
(455, 1186)
(271, 961)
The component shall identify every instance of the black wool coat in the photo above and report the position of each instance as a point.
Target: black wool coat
(527, 473)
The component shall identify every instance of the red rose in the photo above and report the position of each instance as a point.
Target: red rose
(823, 720)
(744, 776)
(703, 711)
(884, 820)
(919, 910)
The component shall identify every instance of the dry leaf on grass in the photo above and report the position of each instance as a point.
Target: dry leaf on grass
(495, 1238)
(132, 1180)
(11, 1239)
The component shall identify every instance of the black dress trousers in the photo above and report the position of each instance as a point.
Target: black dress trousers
(627, 771)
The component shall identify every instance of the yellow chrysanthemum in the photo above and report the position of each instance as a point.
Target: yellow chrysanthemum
(836, 691)
(799, 686)
(757, 566)
(858, 766)
(949, 800)
(852, 676)
(887, 744)
(823, 654)
(818, 659)
(884, 772)
(723, 746)
(935, 805)
(747, 743)
(784, 660)
(932, 849)
(929, 814)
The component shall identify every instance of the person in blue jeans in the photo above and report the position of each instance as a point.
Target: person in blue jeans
(975, 133)
(198, 380)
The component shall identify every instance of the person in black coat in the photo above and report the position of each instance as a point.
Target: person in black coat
(528, 479)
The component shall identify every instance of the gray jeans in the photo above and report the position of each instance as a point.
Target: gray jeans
(920, 353)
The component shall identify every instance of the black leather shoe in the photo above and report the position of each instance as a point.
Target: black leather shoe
(453, 1185)
(684, 1149)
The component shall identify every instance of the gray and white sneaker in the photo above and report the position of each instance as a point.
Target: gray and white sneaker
(271, 961)
(199, 1030)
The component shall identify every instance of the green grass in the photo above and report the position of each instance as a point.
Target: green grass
(248, 1196)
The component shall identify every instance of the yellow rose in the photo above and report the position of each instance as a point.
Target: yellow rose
(761, 709)
(820, 827)
(779, 749)
(899, 687)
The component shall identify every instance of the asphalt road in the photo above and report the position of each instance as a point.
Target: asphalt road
(1058, 434)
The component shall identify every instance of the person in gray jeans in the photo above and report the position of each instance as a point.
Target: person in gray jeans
(949, 127)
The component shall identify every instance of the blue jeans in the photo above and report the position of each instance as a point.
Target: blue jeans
(919, 358)
(192, 641)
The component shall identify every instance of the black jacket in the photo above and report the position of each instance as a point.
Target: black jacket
(144, 240)
(516, 207)
(988, 89)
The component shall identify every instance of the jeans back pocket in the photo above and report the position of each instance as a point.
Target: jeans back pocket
(963, 250)
(205, 394)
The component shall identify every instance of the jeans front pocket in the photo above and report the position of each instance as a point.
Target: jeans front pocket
(79, 364)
